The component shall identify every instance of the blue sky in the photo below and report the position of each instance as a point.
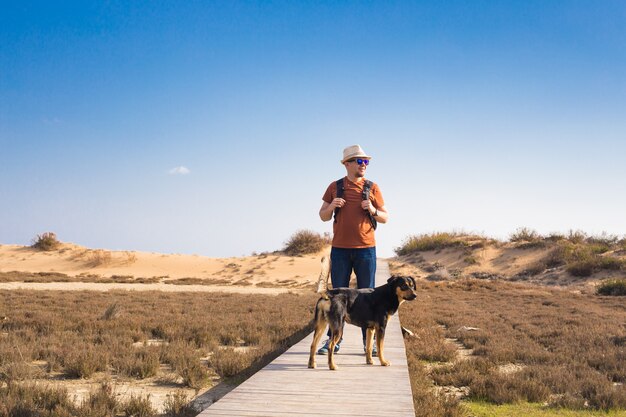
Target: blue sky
(481, 116)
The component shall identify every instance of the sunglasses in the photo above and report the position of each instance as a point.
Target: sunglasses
(360, 161)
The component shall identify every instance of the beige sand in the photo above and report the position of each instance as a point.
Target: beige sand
(271, 273)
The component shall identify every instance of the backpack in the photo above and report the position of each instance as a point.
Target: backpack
(366, 196)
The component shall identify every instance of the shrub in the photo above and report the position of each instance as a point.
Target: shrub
(98, 257)
(177, 405)
(432, 241)
(84, 362)
(576, 237)
(18, 371)
(527, 238)
(101, 402)
(610, 263)
(556, 257)
(555, 237)
(612, 287)
(141, 364)
(582, 268)
(185, 360)
(304, 242)
(195, 375)
(42, 400)
(604, 240)
(138, 407)
(524, 234)
(47, 241)
(228, 362)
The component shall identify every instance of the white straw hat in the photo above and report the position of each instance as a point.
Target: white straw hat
(354, 151)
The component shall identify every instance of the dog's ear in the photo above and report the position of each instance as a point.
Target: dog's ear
(393, 278)
(413, 281)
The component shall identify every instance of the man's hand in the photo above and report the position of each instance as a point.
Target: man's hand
(326, 212)
(337, 202)
(367, 205)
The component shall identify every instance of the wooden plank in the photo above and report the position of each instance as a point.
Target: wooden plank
(286, 387)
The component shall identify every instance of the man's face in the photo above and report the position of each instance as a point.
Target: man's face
(357, 166)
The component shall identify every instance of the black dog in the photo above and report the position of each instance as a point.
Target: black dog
(368, 308)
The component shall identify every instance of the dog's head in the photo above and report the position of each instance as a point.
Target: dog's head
(404, 287)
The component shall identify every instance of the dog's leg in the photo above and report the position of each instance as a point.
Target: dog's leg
(319, 331)
(320, 326)
(369, 341)
(335, 338)
(380, 343)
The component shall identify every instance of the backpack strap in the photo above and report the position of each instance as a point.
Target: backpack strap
(366, 196)
(340, 190)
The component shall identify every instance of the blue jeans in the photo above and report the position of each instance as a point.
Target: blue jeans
(362, 261)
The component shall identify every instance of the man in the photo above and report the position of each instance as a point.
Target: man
(354, 244)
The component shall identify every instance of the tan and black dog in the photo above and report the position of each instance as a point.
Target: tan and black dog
(370, 308)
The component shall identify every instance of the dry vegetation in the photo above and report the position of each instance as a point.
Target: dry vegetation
(200, 338)
(438, 241)
(525, 343)
(20, 276)
(488, 331)
(305, 242)
(524, 321)
(46, 241)
(556, 259)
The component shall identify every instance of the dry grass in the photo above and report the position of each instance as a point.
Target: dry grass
(20, 276)
(80, 334)
(564, 349)
(98, 257)
(304, 242)
(575, 253)
(440, 240)
(46, 241)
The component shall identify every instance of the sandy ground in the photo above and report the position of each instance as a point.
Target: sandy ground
(269, 273)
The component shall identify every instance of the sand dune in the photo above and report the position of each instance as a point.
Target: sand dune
(264, 273)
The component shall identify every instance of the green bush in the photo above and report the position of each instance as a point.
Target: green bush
(432, 241)
(582, 268)
(612, 287)
(524, 234)
(576, 237)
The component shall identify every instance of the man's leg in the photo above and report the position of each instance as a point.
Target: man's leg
(365, 270)
(365, 267)
(340, 269)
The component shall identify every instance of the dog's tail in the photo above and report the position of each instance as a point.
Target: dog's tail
(322, 283)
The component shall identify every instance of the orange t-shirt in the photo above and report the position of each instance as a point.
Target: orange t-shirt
(353, 228)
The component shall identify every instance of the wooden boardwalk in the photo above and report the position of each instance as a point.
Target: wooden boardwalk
(286, 387)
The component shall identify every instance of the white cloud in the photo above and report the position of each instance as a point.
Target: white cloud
(179, 171)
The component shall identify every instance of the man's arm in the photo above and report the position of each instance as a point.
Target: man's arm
(380, 215)
(327, 209)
